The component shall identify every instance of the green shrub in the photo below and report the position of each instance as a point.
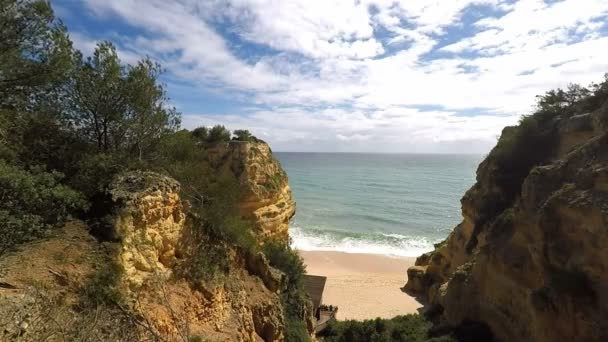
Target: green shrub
(218, 133)
(238, 231)
(284, 258)
(295, 330)
(17, 229)
(294, 298)
(201, 134)
(32, 202)
(96, 171)
(243, 135)
(102, 287)
(409, 328)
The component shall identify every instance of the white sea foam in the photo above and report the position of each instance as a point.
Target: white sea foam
(391, 245)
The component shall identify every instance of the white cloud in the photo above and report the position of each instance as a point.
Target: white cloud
(347, 75)
(395, 129)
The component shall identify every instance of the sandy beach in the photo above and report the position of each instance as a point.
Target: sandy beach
(363, 286)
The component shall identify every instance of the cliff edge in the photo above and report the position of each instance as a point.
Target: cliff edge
(267, 199)
(529, 259)
(143, 286)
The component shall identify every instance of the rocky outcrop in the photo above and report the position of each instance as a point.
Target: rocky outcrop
(58, 295)
(267, 199)
(157, 240)
(150, 222)
(529, 259)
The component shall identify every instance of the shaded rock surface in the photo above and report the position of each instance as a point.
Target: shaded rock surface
(530, 257)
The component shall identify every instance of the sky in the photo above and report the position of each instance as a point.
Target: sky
(414, 76)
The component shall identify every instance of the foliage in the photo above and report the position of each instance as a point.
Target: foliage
(69, 124)
(295, 329)
(243, 135)
(530, 143)
(218, 133)
(201, 134)
(281, 256)
(147, 119)
(118, 107)
(575, 99)
(99, 98)
(213, 197)
(409, 328)
(41, 139)
(35, 51)
(296, 303)
(102, 287)
(32, 201)
(96, 171)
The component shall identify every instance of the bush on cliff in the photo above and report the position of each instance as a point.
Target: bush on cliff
(218, 133)
(32, 202)
(531, 142)
(296, 303)
(243, 135)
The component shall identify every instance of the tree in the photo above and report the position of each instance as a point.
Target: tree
(148, 118)
(99, 97)
(35, 51)
(243, 135)
(118, 107)
(218, 133)
(35, 58)
(201, 134)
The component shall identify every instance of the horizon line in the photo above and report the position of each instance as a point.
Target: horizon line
(418, 153)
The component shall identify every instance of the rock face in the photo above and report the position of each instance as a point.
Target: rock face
(267, 195)
(153, 243)
(156, 239)
(530, 257)
(150, 223)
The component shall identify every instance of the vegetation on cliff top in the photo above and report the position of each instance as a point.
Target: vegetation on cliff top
(533, 142)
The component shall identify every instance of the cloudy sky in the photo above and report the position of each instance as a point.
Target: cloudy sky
(355, 75)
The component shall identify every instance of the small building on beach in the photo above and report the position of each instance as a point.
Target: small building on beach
(314, 286)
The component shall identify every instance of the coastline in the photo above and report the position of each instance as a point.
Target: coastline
(363, 286)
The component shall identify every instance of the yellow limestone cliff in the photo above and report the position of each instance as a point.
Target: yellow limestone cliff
(158, 242)
(49, 289)
(530, 258)
(267, 195)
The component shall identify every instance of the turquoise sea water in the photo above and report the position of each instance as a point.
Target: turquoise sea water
(392, 204)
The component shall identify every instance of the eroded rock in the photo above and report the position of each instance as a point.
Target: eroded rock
(529, 259)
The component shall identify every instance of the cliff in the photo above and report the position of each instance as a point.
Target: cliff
(145, 273)
(159, 243)
(267, 199)
(529, 258)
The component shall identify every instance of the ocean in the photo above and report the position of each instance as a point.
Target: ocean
(390, 204)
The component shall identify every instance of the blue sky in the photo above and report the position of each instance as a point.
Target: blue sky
(356, 76)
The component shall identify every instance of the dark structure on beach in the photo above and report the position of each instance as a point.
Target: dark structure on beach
(315, 285)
